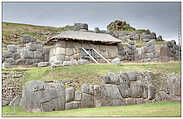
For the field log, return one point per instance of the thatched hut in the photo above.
(69, 46)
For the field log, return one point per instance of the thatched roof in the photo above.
(84, 36)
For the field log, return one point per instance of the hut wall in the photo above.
(70, 50)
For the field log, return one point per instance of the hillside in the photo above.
(12, 32)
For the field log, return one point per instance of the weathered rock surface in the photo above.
(12, 48)
(80, 26)
(72, 105)
(123, 88)
(67, 63)
(87, 101)
(5, 102)
(41, 96)
(116, 61)
(43, 64)
(83, 62)
(69, 94)
(27, 39)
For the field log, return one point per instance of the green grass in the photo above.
(10, 29)
(91, 73)
(158, 109)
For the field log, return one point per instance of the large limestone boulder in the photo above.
(69, 94)
(43, 97)
(151, 92)
(6, 65)
(163, 96)
(124, 85)
(72, 105)
(174, 84)
(38, 54)
(132, 75)
(110, 78)
(26, 54)
(34, 46)
(10, 61)
(12, 48)
(87, 101)
(88, 89)
(136, 89)
(7, 54)
(77, 96)
(27, 39)
(108, 95)
(46, 52)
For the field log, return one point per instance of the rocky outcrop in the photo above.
(170, 51)
(123, 88)
(80, 27)
(31, 54)
(27, 39)
(130, 50)
(11, 86)
(119, 26)
(149, 52)
(43, 97)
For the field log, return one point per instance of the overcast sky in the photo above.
(162, 18)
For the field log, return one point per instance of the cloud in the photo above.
(162, 17)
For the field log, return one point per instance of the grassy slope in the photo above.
(158, 109)
(10, 29)
(91, 73)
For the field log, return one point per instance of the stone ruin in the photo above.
(124, 88)
(29, 52)
(170, 51)
(33, 53)
(119, 25)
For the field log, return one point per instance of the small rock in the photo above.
(6, 65)
(5, 102)
(12, 48)
(43, 64)
(57, 64)
(67, 63)
(83, 61)
(116, 61)
(72, 105)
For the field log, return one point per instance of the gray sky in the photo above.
(162, 18)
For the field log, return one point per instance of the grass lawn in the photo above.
(158, 109)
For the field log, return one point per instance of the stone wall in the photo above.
(70, 50)
(30, 54)
(11, 85)
(147, 53)
(124, 88)
(170, 51)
